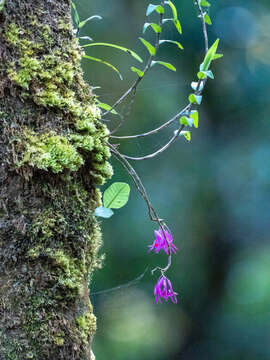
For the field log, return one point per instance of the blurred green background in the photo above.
(213, 192)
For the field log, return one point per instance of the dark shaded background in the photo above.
(213, 192)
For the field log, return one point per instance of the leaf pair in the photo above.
(115, 197)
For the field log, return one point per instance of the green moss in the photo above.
(58, 340)
(87, 324)
(50, 151)
(56, 129)
(52, 78)
(12, 34)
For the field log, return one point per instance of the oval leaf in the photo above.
(151, 8)
(157, 29)
(107, 107)
(137, 71)
(195, 99)
(151, 49)
(116, 196)
(103, 212)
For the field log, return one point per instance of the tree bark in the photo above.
(52, 155)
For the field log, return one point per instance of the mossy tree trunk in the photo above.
(52, 155)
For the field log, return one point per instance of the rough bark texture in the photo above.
(52, 154)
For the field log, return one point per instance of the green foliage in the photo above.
(186, 121)
(151, 49)
(155, 27)
(51, 151)
(151, 8)
(195, 116)
(195, 99)
(104, 63)
(207, 19)
(116, 196)
(128, 51)
(186, 135)
(210, 56)
(139, 72)
(84, 22)
(204, 3)
(106, 107)
(172, 42)
(163, 63)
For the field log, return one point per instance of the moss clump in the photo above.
(50, 152)
(87, 324)
(56, 82)
(72, 270)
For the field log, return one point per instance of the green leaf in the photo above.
(178, 26)
(217, 56)
(2, 4)
(103, 212)
(195, 99)
(201, 75)
(82, 23)
(76, 15)
(195, 116)
(116, 196)
(151, 49)
(210, 74)
(151, 8)
(163, 63)
(157, 29)
(187, 121)
(204, 3)
(172, 42)
(204, 74)
(107, 107)
(186, 134)
(104, 63)
(137, 71)
(194, 86)
(209, 57)
(174, 11)
(130, 52)
(207, 19)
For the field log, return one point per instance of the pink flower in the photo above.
(161, 242)
(163, 290)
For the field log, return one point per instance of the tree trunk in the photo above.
(52, 155)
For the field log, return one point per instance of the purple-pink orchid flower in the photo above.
(163, 241)
(163, 290)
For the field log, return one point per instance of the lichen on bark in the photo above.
(53, 153)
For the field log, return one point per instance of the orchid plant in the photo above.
(117, 194)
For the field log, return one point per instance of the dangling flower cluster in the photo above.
(163, 288)
(163, 238)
